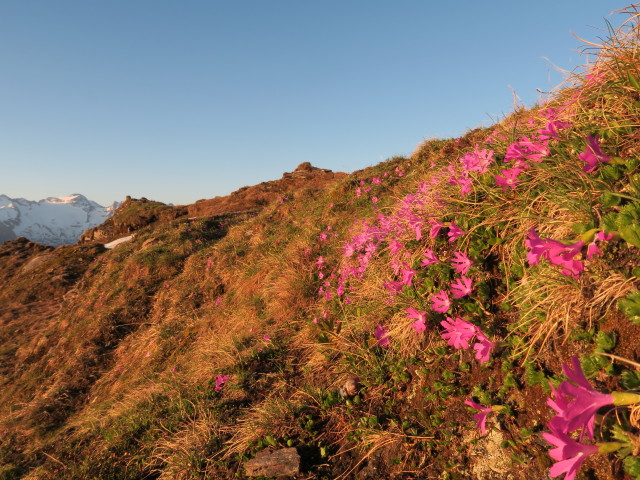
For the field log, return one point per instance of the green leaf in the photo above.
(611, 172)
(589, 366)
(632, 466)
(608, 199)
(533, 376)
(618, 433)
(633, 81)
(634, 183)
(628, 222)
(630, 306)
(609, 222)
(630, 379)
(631, 234)
(605, 341)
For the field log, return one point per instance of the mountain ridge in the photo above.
(53, 220)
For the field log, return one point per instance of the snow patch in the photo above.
(117, 242)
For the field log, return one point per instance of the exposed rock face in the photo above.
(6, 233)
(305, 176)
(279, 463)
(132, 215)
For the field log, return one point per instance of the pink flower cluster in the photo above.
(220, 381)
(477, 161)
(381, 334)
(593, 155)
(576, 403)
(562, 255)
(530, 149)
(461, 287)
(459, 333)
(420, 324)
(557, 253)
(481, 416)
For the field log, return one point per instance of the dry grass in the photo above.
(274, 416)
(549, 303)
(182, 455)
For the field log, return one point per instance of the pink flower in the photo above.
(419, 325)
(320, 262)
(393, 287)
(464, 181)
(348, 249)
(407, 275)
(441, 302)
(323, 237)
(221, 380)
(550, 130)
(481, 416)
(483, 346)
(556, 252)
(585, 401)
(592, 155)
(568, 453)
(466, 184)
(382, 335)
(454, 232)
(478, 160)
(461, 287)
(458, 332)
(416, 226)
(429, 258)
(593, 249)
(509, 178)
(435, 227)
(396, 266)
(527, 149)
(563, 256)
(395, 246)
(461, 263)
(537, 247)
(376, 180)
(604, 237)
(374, 199)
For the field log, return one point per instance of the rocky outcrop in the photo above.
(132, 215)
(304, 177)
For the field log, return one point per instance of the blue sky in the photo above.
(182, 100)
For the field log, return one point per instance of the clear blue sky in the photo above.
(182, 100)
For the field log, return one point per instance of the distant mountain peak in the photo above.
(51, 221)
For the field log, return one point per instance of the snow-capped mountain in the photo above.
(52, 221)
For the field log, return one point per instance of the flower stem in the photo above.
(625, 398)
(609, 447)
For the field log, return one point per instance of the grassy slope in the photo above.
(120, 382)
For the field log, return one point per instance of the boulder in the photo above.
(274, 463)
